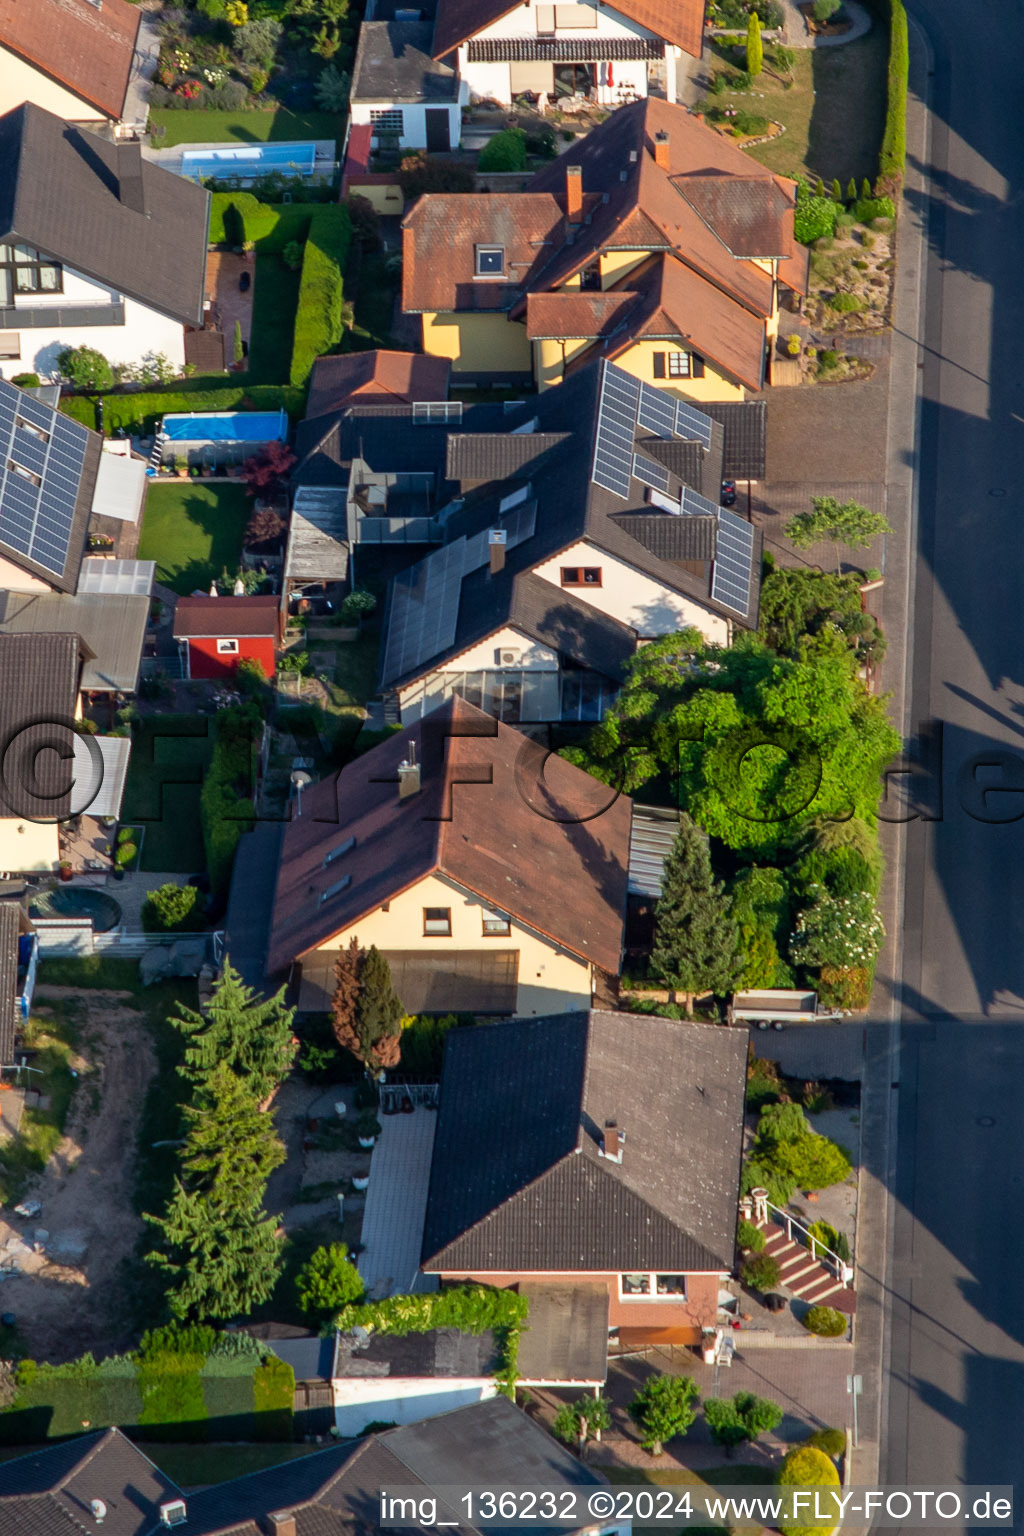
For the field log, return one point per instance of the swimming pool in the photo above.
(226, 427)
(249, 160)
(64, 901)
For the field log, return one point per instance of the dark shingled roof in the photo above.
(673, 538)
(196, 617)
(743, 455)
(86, 47)
(394, 63)
(60, 191)
(37, 705)
(477, 456)
(517, 1181)
(566, 1333)
(502, 841)
(10, 927)
(748, 214)
(49, 1492)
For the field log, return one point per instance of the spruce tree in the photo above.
(851, 190)
(837, 191)
(696, 941)
(366, 1015)
(346, 995)
(253, 1034)
(755, 48)
(865, 188)
(219, 1264)
(231, 1148)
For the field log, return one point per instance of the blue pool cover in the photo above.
(227, 427)
(249, 160)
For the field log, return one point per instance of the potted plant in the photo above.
(368, 1128)
(65, 869)
(361, 1181)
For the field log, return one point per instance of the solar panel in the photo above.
(519, 524)
(616, 426)
(657, 411)
(732, 574)
(424, 609)
(699, 505)
(692, 423)
(40, 477)
(650, 473)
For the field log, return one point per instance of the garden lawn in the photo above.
(40, 1130)
(193, 531)
(374, 304)
(833, 113)
(720, 1479)
(182, 127)
(275, 300)
(169, 758)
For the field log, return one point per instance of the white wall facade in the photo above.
(20, 82)
(634, 598)
(144, 330)
(28, 847)
(403, 1399)
(496, 80)
(414, 120)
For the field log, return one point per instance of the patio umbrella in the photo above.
(609, 82)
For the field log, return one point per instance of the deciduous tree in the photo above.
(663, 1408)
(838, 522)
(327, 1282)
(582, 1421)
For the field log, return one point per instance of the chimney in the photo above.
(130, 190)
(280, 1524)
(574, 193)
(496, 544)
(661, 148)
(409, 775)
(612, 1143)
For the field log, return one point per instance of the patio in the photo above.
(396, 1206)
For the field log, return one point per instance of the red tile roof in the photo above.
(571, 314)
(518, 836)
(83, 47)
(201, 617)
(439, 236)
(395, 378)
(676, 21)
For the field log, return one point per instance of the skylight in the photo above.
(339, 852)
(335, 889)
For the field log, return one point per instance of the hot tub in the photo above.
(77, 901)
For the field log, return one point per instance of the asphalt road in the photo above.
(956, 1399)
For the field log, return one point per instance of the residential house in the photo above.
(407, 97)
(492, 878)
(594, 1151)
(84, 61)
(605, 53)
(19, 959)
(102, 1478)
(38, 702)
(656, 242)
(215, 633)
(98, 247)
(590, 524)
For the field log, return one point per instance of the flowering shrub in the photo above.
(188, 90)
(237, 13)
(837, 930)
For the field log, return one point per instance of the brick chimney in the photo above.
(574, 193)
(409, 775)
(280, 1524)
(661, 149)
(496, 546)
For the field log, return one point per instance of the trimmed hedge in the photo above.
(807, 1467)
(236, 217)
(318, 315)
(140, 412)
(225, 809)
(892, 160)
(273, 1396)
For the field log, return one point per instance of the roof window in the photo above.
(490, 261)
(339, 852)
(335, 889)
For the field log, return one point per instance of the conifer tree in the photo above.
(865, 188)
(696, 941)
(253, 1034)
(366, 1014)
(219, 1264)
(837, 191)
(755, 48)
(231, 1148)
(851, 190)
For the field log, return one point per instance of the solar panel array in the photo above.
(519, 524)
(732, 574)
(698, 505)
(693, 424)
(424, 609)
(657, 411)
(616, 428)
(42, 459)
(127, 578)
(650, 473)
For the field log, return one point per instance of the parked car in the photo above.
(728, 496)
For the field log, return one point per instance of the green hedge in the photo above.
(225, 810)
(139, 413)
(318, 322)
(273, 1391)
(892, 160)
(236, 217)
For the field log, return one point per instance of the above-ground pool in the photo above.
(226, 427)
(77, 901)
(249, 160)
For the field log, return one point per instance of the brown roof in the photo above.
(37, 705)
(87, 49)
(676, 21)
(518, 836)
(676, 304)
(391, 377)
(570, 313)
(711, 193)
(200, 617)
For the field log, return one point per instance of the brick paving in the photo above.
(396, 1204)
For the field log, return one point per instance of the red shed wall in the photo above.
(205, 663)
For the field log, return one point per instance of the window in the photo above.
(23, 269)
(227, 647)
(23, 473)
(428, 413)
(388, 120)
(590, 277)
(581, 575)
(496, 925)
(340, 851)
(490, 261)
(648, 1287)
(437, 922)
(679, 365)
(513, 499)
(584, 696)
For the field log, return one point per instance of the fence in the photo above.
(421, 1095)
(73, 936)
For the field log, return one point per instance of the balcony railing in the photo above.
(60, 317)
